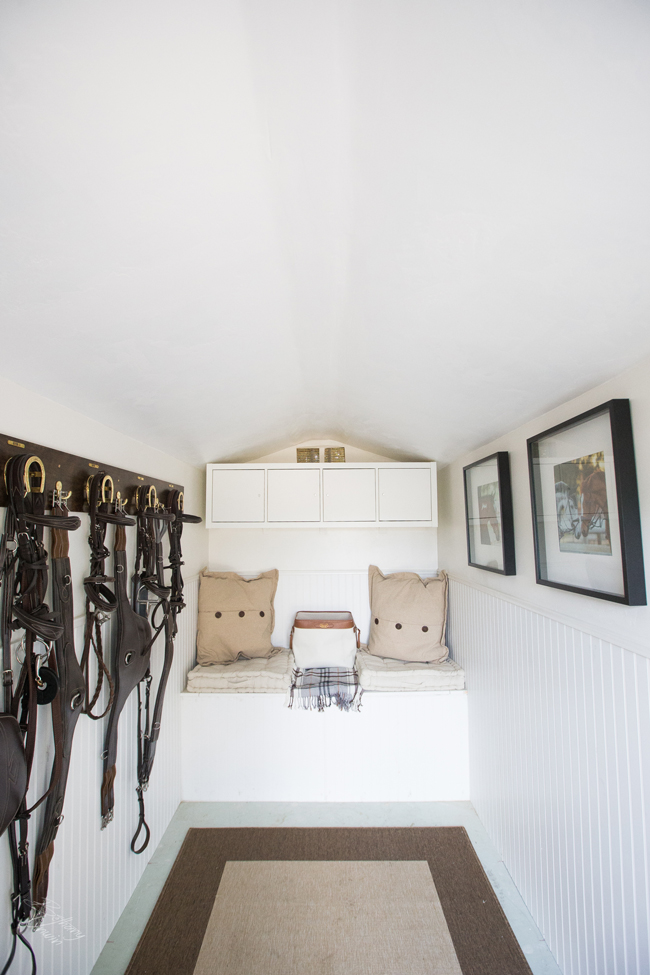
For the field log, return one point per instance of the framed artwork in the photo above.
(488, 514)
(586, 520)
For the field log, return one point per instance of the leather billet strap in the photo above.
(67, 705)
(101, 601)
(132, 650)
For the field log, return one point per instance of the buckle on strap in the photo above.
(7, 678)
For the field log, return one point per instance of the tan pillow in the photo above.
(236, 616)
(408, 616)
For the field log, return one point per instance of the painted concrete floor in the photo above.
(126, 934)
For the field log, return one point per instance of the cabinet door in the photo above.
(405, 495)
(349, 495)
(237, 496)
(294, 495)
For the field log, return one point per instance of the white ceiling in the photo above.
(235, 224)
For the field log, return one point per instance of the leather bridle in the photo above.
(101, 601)
(169, 602)
(148, 582)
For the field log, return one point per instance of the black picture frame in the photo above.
(586, 509)
(478, 527)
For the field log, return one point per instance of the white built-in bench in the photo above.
(239, 745)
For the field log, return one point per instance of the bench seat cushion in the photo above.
(262, 675)
(383, 674)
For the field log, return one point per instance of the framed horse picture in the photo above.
(488, 514)
(586, 520)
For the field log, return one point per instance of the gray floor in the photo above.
(121, 944)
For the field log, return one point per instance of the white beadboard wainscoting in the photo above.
(93, 872)
(345, 589)
(559, 732)
(331, 590)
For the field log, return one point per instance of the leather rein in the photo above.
(67, 706)
(151, 600)
(153, 521)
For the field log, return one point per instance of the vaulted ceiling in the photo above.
(407, 225)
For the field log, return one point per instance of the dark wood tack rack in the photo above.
(74, 471)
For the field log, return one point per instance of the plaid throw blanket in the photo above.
(318, 688)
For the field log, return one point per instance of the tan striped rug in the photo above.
(382, 901)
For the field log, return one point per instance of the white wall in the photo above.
(558, 690)
(353, 455)
(93, 872)
(321, 549)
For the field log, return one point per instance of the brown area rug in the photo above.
(379, 901)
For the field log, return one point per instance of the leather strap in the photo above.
(130, 666)
(155, 522)
(101, 601)
(66, 707)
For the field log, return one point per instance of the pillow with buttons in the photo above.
(408, 616)
(236, 616)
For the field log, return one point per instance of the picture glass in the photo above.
(577, 507)
(484, 515)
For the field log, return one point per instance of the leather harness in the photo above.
(148, 582)
(153, 520)
(101, 602)
(54, 675)
(66, 706)
(25, 575)
(130, 663)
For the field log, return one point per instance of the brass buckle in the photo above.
(29, 474)
(107, 483)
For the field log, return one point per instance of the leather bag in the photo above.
(324, 639)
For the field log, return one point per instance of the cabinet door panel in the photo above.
(237, 496)
(349, 495)
(294, 495)
(405, 495)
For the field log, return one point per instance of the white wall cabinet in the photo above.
(349, 494)
(293, 495)
(237, 495)
(404, 494)
(388, 495)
